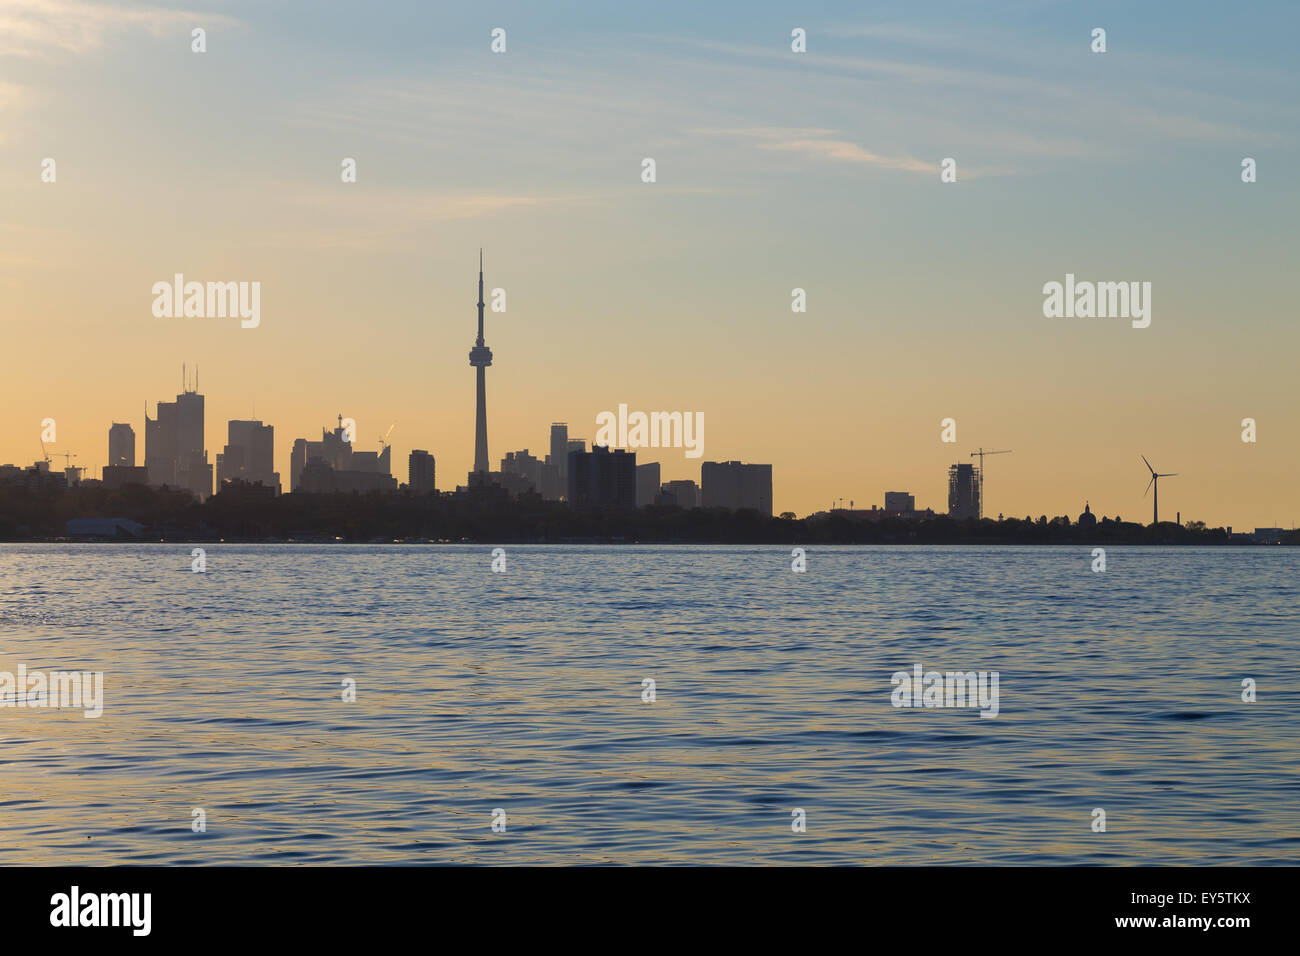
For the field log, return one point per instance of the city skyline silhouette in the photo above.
(924, 297)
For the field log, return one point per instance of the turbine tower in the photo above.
(1155, 480)
(480, 357)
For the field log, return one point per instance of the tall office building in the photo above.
(121, 445)
(555, 470)
(560, 448)
(601, 478)
(420, 472)
(249, 455)
(963, 491)
(733, 484)
(647, 484)
(173, 445)
(480, 357)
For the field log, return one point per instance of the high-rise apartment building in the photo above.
(963, 491)
(420, 472)
(733, 484)
(601, 478)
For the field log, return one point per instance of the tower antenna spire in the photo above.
(480, 357)
(480, 297)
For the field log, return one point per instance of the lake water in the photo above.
(522, 691)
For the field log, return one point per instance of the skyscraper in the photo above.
(963, 491)
(173, 445)
(560, 449)
(480, 357)
(555, 473)
(121, 445)
(249, 455)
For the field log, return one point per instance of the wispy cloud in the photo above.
(1035, 83)
(820, 143)
(43, 28)
(844, 151)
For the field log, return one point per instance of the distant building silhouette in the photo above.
(899, 501)
(555, 471)
(249, 455)
(121, 445)
(733, 484)
(601, 478)
(683, 493)
(331, 465)
(525, 471)
(878, 514)
(37, 478)
(1087, 519)
(480, 357)
(514, 483)
(963, 491)
(118, 476)
(173, 445)
(647, 484)
(420, 476)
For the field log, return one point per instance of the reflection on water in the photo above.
(522, 691)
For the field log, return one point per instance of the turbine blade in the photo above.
(1148, 464)
(1149, 484)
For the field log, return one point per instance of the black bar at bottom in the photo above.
(946, 905)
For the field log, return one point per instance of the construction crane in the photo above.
(384, 441)
(980, 454)
(67, 457)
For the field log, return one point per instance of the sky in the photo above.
(775, 170)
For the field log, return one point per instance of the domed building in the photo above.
(1087, 519)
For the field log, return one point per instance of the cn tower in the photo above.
(480, 357)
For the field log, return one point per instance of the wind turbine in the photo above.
(1155, 480)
